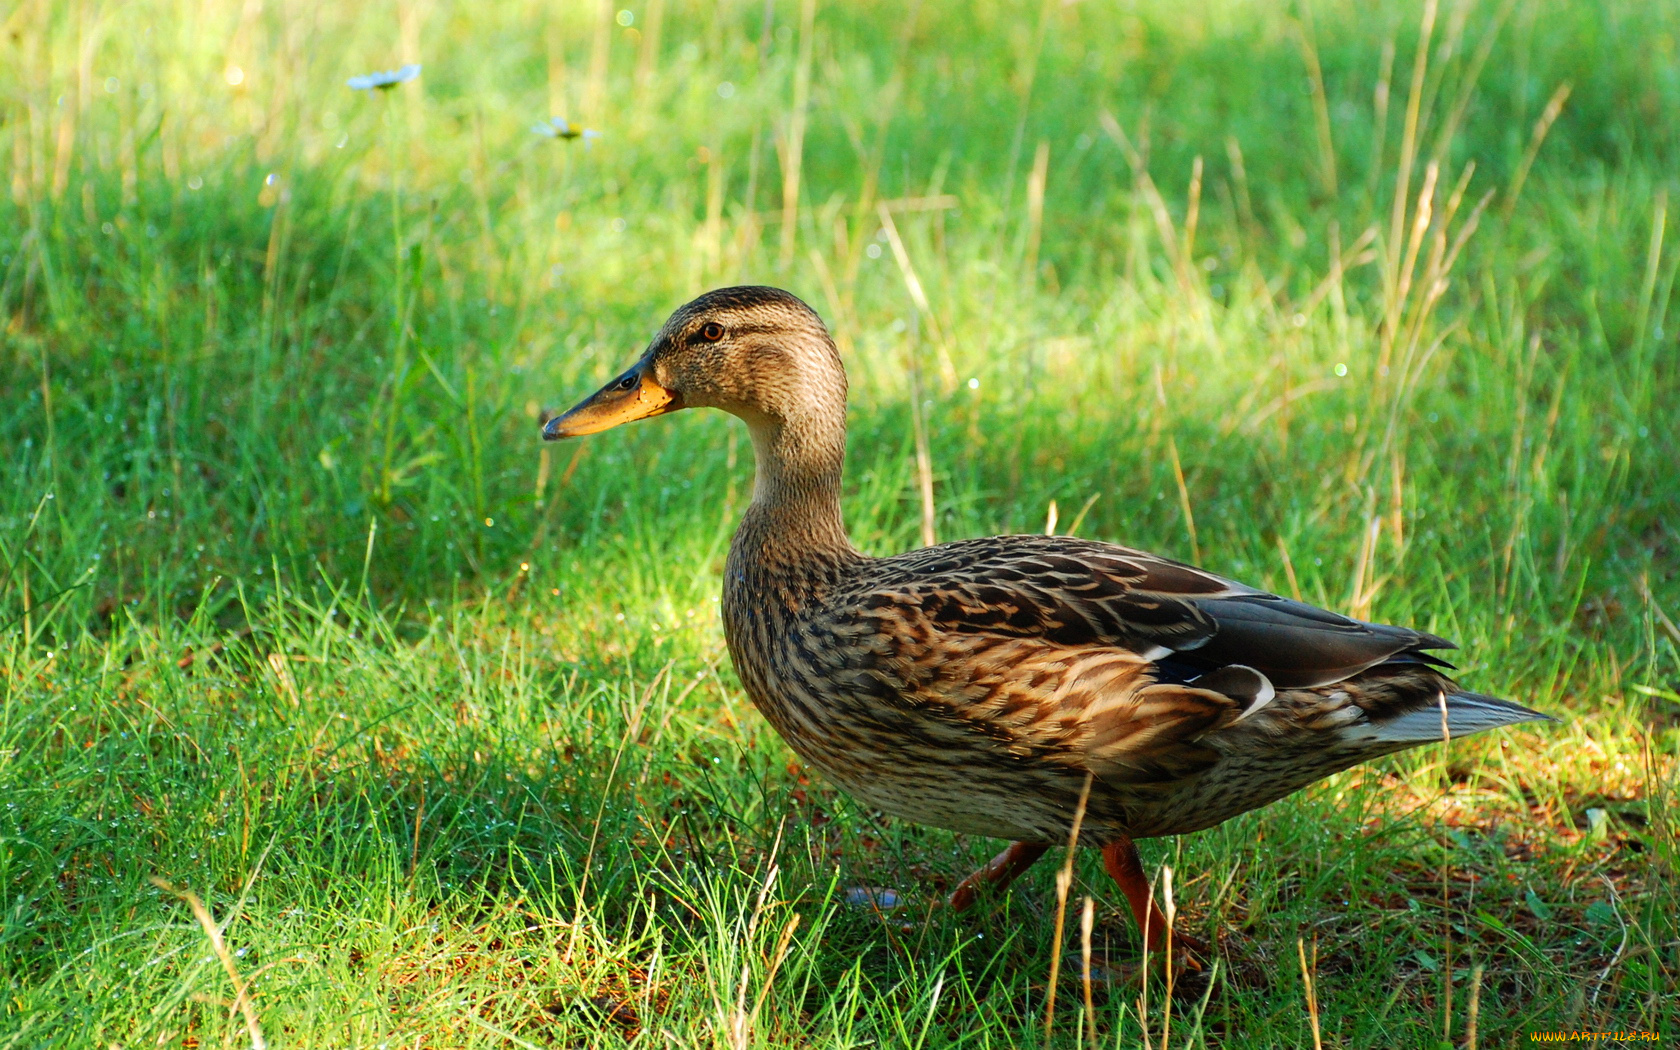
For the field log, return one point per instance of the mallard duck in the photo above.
(989, 685)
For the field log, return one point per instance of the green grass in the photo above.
(301, 619)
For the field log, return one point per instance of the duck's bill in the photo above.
(632, 396)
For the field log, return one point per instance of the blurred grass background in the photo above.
(1369, 303)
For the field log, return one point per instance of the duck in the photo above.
(1037, 689)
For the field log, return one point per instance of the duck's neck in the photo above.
(794, 519)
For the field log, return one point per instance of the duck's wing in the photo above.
(1095, 656)
(1076, 592)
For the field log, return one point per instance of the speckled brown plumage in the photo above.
(976, 685)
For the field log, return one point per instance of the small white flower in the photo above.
(561, 128)
(386, 80)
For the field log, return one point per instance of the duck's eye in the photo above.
(627, 382)
(712, 332)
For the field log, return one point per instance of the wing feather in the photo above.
(1078, 592)
(1103, 658)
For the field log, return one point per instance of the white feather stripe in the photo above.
(1466, 714)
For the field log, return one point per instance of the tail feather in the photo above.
(1466, 713)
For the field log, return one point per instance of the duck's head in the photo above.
(758, 353)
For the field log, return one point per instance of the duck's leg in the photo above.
(1120, 858)
(1003, 869)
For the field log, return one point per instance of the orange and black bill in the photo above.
(633, 395)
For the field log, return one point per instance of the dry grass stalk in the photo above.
(241, 998)
(284, 684)
(1549, 115)
(918, 296)
(1404, 352)
(783, 942)
(1657, 790)
(1192, 219)
(1311, 988)
(1179, 247)
(1379, 104)
(924, 454)
(1473, 1011)
(742, 1023)
(1087, 916)
(414, 842)
(1422, 215)
(1026, 79)
(1164, 227)
(1467, 83)
(1170, 910)
(1653, 262)
(930, 202)
(1079, 519)
(1178, 469)
(1621, 948)
(794, 153)
(1036, 180)
(1064, 880)
(1305, 40)
(1239, 174)
(1364, 590)
(1184, 499)
(1403, 174)
(1289, 569)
